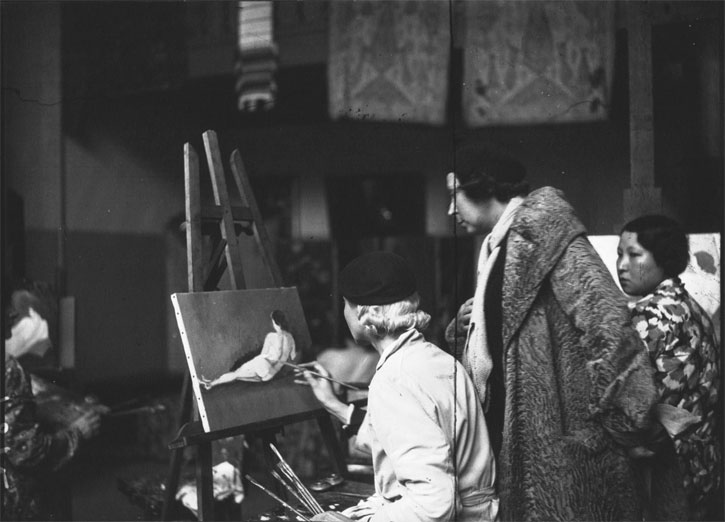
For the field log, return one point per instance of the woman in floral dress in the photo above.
(653, 251)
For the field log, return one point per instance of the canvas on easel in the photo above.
(238, 344)
(223, 328)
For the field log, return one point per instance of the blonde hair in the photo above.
(382, 320)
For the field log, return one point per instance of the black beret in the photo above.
(377, 278)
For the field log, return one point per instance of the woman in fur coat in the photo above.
(566, 385)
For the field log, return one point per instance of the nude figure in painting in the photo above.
(279, 347)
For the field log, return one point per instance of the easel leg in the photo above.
(333, 444)
(172, 484)
(177, 455)
(204, 481)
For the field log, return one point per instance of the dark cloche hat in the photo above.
(474, 161)
(377, 278)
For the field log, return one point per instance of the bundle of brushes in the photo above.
(291, 482)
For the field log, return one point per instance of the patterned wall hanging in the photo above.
(389, 60)
(256, 57)
(537, 62)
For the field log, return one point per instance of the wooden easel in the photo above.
(222, 223)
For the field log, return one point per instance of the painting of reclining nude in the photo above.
(240, 346)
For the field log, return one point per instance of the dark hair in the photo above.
(279, 318)
(665, 239)
(485, 173)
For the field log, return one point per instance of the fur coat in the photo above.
(579, 384)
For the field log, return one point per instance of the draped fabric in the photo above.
(537, 62)
(389, 60)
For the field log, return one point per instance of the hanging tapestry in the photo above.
(389, 60)
(537, 62)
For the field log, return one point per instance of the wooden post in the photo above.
(642, 196)
(260, 235)
(221, 198)
(193, 225)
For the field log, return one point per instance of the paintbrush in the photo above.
(310, 501)
(293, 492)
(302, 368)
(268, 492)
(349, 494)
(289, 473)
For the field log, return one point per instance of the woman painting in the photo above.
(424, 425)
(652, 253)
(279, 347)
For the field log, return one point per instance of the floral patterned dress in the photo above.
(680, 338)
(30, 452)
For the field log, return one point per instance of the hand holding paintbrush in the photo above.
(319, 373)
(319, 380)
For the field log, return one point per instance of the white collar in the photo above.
(405, 337)
(502, 226)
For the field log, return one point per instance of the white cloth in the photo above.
(30, 334)
(226, 482)
(348, 414)
(476, 355)
(428, 439)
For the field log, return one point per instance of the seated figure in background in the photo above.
(278, 348)
(652, 253)
(32, 451)
(32, 313)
